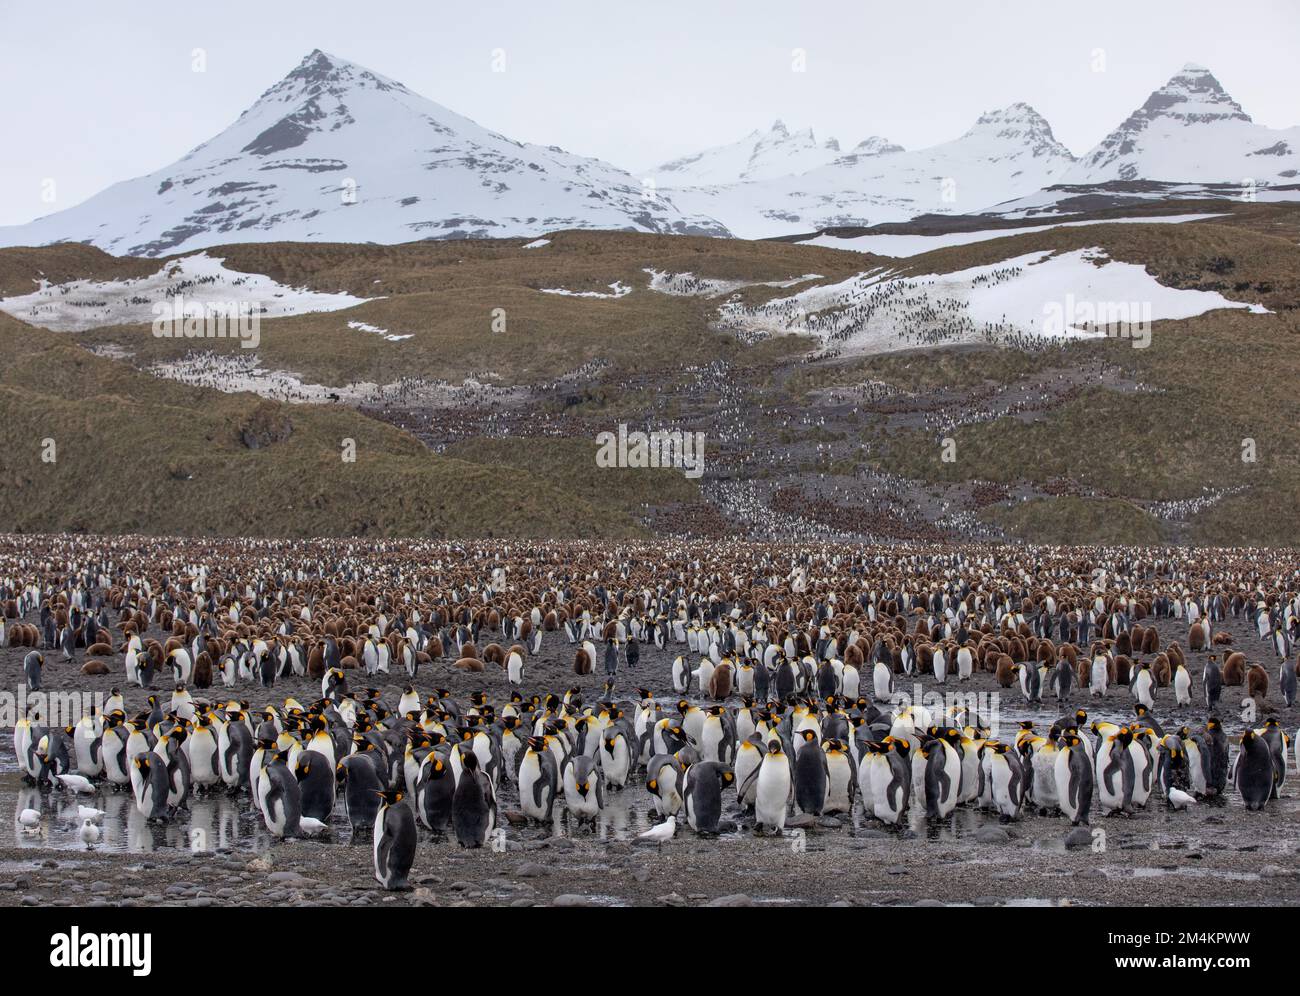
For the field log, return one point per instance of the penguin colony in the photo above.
(779, 699)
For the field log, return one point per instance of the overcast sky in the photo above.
(97, 92)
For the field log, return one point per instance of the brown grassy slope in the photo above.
(921, 370)
(140, 454)
(447, 295)
(1240, 263)
(578, 260)
(1223, 377)
(1076, 520)
(21, 268)
(571, 464)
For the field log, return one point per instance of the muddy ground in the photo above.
(1211, 855)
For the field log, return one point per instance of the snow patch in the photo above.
(375, 330)
(232, 373)
(902, 246)
(538, 243)
(617, 289)
(201, 280)
(1029, 301)
(687, 284)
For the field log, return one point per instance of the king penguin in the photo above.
(775, 788)
(1074, 779)
(473, 806)
(394, 841)
(1254, 771)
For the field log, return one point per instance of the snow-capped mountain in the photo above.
(873, 146)
(757, 156)
(335, 152)
(1192, 130)
(1007, 153)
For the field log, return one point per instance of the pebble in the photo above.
(531, 869)
(1077, 838)
(736, 899)
(1277, 871)
(573, 899)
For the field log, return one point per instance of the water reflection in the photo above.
(215, 822)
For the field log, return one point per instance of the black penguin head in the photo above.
(774, 748)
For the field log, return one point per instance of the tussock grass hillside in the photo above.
(138, 454)
(1087, 520)
(1165, 424)
(22, 268)
(478, 308)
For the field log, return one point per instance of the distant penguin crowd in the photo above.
(780, 683)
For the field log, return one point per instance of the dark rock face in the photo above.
(265, 427)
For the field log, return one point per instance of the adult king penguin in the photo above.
(394, 842)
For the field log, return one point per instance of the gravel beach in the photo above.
(1210, 855)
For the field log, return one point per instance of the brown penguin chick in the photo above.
(1121, 670)
(582, 662)
(1150, 641)
(853, 656)
(94, 667)
(1256, 682)
(1234, 668)
(1124, 643)
(492, 654)
(720, 681)
(1005, 669)
(1018, 650)
(1082, 673)
(201, 676)
(1161, 670)
(1175, 652)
